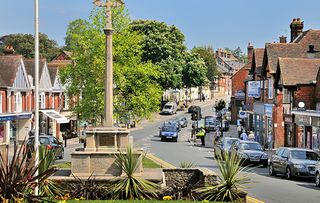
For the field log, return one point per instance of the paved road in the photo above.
(263, 187)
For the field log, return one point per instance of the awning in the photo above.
(312, 113)
(55, 115)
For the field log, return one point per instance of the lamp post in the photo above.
(108, 72)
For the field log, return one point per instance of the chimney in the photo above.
(8, 50)
(250, 52)
(283, 39)
(296, 27)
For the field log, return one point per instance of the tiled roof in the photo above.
(258, 56)
(53, 71)
(245, 67)
(297, 49)
(59, 63)
(298, 71)
(8, 69)
(30, 66)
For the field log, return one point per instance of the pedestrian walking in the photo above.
(244, 135)
(239, 129)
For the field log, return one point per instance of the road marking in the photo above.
(161, 162)
(253, 200)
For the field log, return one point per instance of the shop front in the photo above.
(289, 132)
(50, 121)
(14, 128)
(308, 128)
(258, 109)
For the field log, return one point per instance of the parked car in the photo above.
(294, 162)
(223, 146)
(210, 123)
(318, 174)
(169, 108)
(51, 142)
(250, 152)
(169, 131)
(183, 121)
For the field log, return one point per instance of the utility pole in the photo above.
(108, 72)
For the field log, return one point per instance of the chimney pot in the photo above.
(296, 27)
(8, 50)
(283, 39)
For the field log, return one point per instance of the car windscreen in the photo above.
(250, 146)
(169, 128)
(44, 140)
(299, 154)
(229, 142)
(167, 107)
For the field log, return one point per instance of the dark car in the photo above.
(250, 152)
(169, 131)
(223, 146)
(193, 108)
(183, 122)
(51, 142)
(294, 162)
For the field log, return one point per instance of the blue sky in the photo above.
(218, 23)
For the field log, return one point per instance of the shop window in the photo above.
(286, 96)
(18, 102)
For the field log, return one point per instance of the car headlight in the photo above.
(264, 156)
(244, 156)
(298, 165)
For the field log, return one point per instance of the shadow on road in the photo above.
(309, 186)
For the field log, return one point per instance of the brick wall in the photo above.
(278, 119)
(238, 81)
(317, 89)
(304, 94)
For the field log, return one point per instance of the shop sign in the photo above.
(302, 119)
(288, 118)
(239, 94)
(242, 114)
(268, 110)
(258, 108)
(254, 89)
(15, 117)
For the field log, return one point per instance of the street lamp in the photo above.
(108, 73)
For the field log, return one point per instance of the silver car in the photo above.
(294, 162)
(318, 174)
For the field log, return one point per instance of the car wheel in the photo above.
(318, 179)
(271, 170)
(162, 139)
(265, 164)
(176, 139)
(288, 173)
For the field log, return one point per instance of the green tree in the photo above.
(136, 91)
(24, 44)
(194, 71)
(238, 54)
(207, 54)
(164, 46)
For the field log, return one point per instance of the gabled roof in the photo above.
(53, 71)
(246, 67)
(63, 59)
(9, 66)
(258, 56)
(297, 49)
(30, 66)
(297, 71)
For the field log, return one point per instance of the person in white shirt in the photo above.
(244, 135)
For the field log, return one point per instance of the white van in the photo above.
(169, 108)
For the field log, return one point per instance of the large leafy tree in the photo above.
(136, 91)
(164, 46)
(24, 44)
(194, 71)
(207, 54)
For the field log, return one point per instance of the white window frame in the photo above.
(42, 100)
(18, 102)
(270, 89)
(52, 95)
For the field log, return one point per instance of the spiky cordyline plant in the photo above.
(230, 183)
(17, 176)
(187, 164)
(130, 186)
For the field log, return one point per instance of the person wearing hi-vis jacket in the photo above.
(201, 134)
